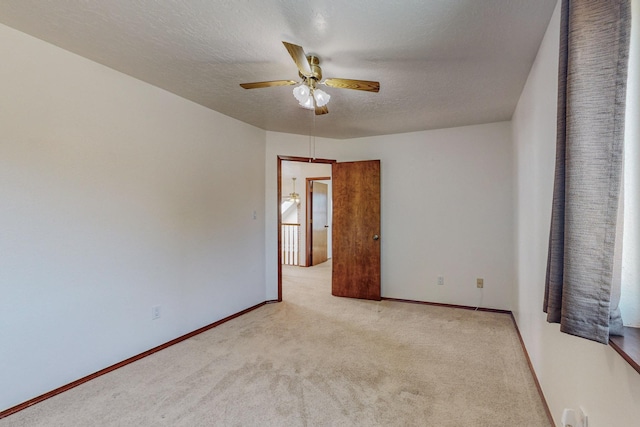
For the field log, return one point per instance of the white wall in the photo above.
(115, 196)
(573, 372)
(446, 210)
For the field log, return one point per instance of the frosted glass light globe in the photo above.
(322, 97)
(308, 103)
(301, 93)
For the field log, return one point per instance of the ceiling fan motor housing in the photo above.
(316, 71)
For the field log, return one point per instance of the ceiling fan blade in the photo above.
(353, 84)
(321, 110)
(257, 85)
(299, 57)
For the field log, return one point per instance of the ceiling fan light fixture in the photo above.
(301, 93)
(322, 97)
(309, 97)
(308, 103)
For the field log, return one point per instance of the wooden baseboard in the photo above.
(125, 362)
(438, 304)
(533, 372)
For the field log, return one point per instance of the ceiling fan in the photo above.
(307, 93)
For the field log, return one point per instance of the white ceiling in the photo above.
(440, 63)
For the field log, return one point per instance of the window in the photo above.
(629, 263)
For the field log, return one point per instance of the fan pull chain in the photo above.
(314, 137)
(312, 141)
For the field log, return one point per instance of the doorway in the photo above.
(307, 172)
(356, 271)
(318, 220)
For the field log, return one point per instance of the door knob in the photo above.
(376, 237)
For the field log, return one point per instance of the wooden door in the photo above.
(356, 230)
(319, 222)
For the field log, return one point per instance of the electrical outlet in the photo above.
(583, 417)
(573, 418)
(155, 312)
(440, 280)
(479, 282)
(569, 418)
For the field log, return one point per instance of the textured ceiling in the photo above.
(440, 63)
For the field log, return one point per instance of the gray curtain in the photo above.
(594, 50)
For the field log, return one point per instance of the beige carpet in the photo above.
(318, 360)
